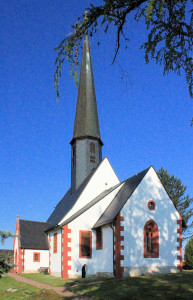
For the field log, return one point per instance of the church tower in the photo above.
(86, 142)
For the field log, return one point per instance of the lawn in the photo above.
(24, 291)
(167, 286)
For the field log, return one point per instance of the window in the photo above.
(92, 159)
(92, 148)
(73, 155)
(55, 243)
(151, 204)
(151, 240)
(99, 238)
(85, 244)
(36, 257)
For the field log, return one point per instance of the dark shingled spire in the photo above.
(86, 142)
(86, 120)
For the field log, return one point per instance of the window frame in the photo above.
(73, 155)
(149, 205)
(151, 240)
(80, 243)
(38, 254)
(92, 148)
(92, 159)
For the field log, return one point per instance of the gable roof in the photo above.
(32, 235)
(90, 204)
(67, 202)
(120, 199)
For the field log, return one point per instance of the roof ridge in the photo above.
(130, 185)
(91, 203)
(32, 221)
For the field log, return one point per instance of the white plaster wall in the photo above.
(16, 247)
(104, 178)
(56, 263)
(136, 214)
(30, 265)
(102, 260)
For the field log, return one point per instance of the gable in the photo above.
(102, 179)
(66, 203)
(151, 188)
(120, 199)
(103, 196)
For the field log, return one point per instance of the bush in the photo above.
(188, 255)
(6, 263)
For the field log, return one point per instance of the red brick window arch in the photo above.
(151, 240)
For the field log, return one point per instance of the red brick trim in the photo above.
(179, 246)
(55, 243)
(49, 255)
(34, 256)
(20, 261)
(16, 253)
(65, 249)
(80, 243)
(118, 247)
(151, 228)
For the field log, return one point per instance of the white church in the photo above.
(101, 227)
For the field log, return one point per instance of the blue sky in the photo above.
(144, 120)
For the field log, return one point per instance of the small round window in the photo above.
(151, 204)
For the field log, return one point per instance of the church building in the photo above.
(101, 227)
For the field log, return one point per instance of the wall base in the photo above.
(138, 271)
(57, 274)
(98, 274)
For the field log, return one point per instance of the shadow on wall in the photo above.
(136, 214)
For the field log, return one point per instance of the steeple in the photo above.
(86, 142)
(86, 120)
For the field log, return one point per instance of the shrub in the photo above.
(188, 255)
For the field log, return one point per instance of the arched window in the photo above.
(151, 240)
(92, 148)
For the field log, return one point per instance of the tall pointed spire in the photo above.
(86, 120)
(86, 142)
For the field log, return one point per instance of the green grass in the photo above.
(165, 286)
(48, 279)
(57, 281)
(24, 291)
(170, 286)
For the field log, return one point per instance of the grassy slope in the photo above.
(170, 286)
(167, 286)
(57, 281)
(24, 291)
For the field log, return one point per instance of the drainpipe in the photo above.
(111, 225)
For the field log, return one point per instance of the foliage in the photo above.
(188, 255)
(6, 262)
(4, 235)
(5, 259)
(165, 286)
(176, 191)
(169, 25)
